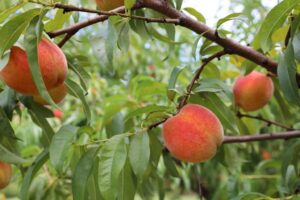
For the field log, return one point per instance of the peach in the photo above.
(107, 5)
(5, 174)
(253, 91)
(53, 65)
(58, 113)
(194, 134)
(57, 95)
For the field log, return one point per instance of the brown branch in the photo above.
(156, 124)
(103, 15)
(202, 29)
(240, 115)
(66, 38)
(78, 26)
(185, 21)
(261, 137)
(69, 8)
(197, 76)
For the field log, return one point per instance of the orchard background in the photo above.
(129, 70)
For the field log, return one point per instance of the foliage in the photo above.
(124, 75)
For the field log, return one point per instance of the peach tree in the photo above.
(141, 99)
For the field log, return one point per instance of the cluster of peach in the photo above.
(193, 135)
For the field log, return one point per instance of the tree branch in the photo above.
(69, 8)
(240, 115)
(202, 29)
(78, 26)
(261, 137)
(197, 76)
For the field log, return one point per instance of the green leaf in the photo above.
(129, 4)
(48, 132)
(5, 126)
(196, 14)
(146, 109)
(161, 37)
(296, 45)
(214, 85)
(31, 172)
(128, 183)
(172, 82)
(110, 41)
(13, 28)
(6, 13)
(82, 173)
(195, 45)
(290, 156)
(32, 38)
(10, 157)
(287, 75)
(275, 18)
(170, 165)
(8, 101)
(112, 160)
(60, 146)
(139, 153)
(124, 39)
(77, 91)
(179, 4)
(116, 126)
(227, 18)
(61, 17)
(81, 73)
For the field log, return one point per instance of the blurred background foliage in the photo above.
(128, 66)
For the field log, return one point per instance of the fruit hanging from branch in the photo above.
(253, 91)
(194, 134)
(5, 174)
(57, 94)
(53, 66)
(107, 5)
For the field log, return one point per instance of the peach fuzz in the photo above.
(53, 65)
(57, 95)
(107, 5)
(5, 174)
(194, 134)
(253, 91)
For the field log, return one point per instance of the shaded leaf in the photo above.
(112, 160)
(31, 172)
(287, 76)
(139, 153)
(82, 173)
(60, 146)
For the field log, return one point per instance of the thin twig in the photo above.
(197, 76)
(156, 124)
(69, 8)
(66, 38)
(240, 115)
(261, 137)
(83, 24)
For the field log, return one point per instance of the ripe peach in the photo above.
(266, 155)
(57, 95)
(107, 5)
(5, 174)
(53, 65)
(253, 91)
(58, 113)
(194, 134)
